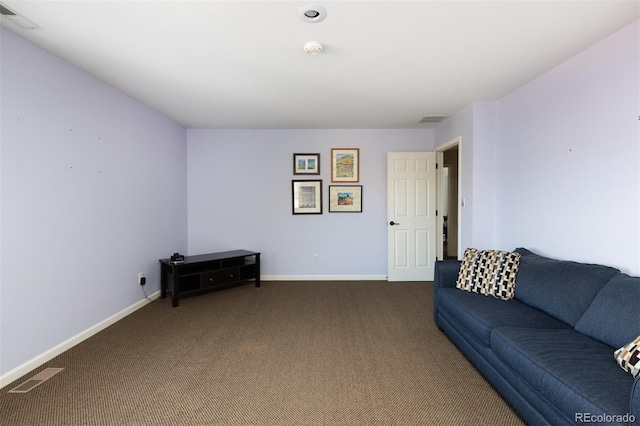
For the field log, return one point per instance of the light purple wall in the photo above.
(240, 197)
(569, 158)
(555, 165)
(475, 125)
(93, 192)
(461, 124)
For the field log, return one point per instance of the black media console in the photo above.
(206, 272)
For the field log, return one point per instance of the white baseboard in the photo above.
(36, 362)
(323, 277)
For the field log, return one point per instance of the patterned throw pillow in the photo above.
(497, 271)
(467, 274)
(489, 272)
(628, 357)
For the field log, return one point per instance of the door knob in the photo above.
(393, 223)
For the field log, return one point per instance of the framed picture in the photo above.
(345, 199)
(306, 196)
(306, 164)
(345, 164)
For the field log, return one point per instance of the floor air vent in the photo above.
(36, 380)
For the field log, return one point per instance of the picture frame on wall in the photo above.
(345, 165)
(306, 164)
(345, 198)
(306, 196)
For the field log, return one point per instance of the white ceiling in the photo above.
(386, 64)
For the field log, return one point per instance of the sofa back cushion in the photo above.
(614, 317)
(561, 288)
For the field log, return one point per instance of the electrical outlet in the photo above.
(142, 280)
(315, 257)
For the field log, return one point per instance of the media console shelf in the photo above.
(206, 272)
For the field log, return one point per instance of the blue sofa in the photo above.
(549, 351)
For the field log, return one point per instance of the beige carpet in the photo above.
(288, 353)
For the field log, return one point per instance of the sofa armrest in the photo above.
(445, 275)
(634, 405)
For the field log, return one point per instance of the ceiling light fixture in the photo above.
(313, 48)
(312, 13)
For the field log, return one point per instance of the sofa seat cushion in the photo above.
(480, 314)
(560, 288)
(575, 373)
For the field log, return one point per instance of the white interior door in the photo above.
(411, 215)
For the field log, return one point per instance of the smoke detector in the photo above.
(312, 13)
(313, 48)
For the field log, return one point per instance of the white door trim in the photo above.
(440, 149)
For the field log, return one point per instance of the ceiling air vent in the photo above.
(432, 119)
(9, 15)
(5, 12)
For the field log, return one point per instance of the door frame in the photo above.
(440, 149)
